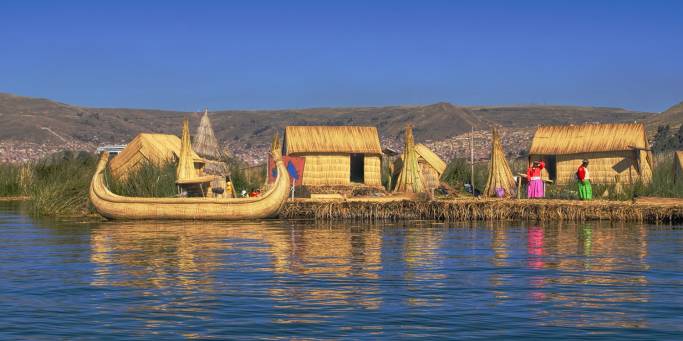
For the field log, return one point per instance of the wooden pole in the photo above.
(472, 160)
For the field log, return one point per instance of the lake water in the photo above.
(168, 280)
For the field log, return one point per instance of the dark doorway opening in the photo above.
(357, 168)
(551, 166)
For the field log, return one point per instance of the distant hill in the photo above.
(672, 116)
(526, 116)
(46, 121)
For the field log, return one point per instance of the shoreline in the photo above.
(645, 210)
(650, 210)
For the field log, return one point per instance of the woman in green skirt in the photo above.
(582, 174)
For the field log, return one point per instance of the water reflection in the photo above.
(412, 278)
(596, 270)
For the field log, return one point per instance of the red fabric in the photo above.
(581, 173)
(535, 171)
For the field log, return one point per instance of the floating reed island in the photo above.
(647, 210)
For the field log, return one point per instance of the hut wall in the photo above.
(372, 170)
(327, 170)
(429, 175)
(604, 166)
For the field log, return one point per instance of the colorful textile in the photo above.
(534, 171)
(295, 168)
(585, 190)
(535, 188)
(582, 173)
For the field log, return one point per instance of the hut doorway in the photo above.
(551, 166)
(357, 168)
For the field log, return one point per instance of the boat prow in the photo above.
(113, 206)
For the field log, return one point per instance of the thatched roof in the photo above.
(409, 180)
(205, 142)
(500, 174)
(332, 139)
(154, 148)
(588, 138)
(432, 159)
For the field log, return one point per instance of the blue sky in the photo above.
(259, 54)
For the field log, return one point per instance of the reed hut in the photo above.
(156, 149)
(615, 151)
(431, 167)
(409, 179)
(678, 166)
(500, 182)
(205, 143)
(336, 155)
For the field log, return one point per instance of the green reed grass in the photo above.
(148, 180)
(59, 184)
(9, 180)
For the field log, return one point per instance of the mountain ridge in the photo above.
(28, 119)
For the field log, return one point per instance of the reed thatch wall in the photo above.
(156, 149)
(615, 151)
(429, 176)
(604, 167)
(372, 170)
(327, 170)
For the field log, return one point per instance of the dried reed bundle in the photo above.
(185, 171)
(500, 175)
(409, 180)
(205, 142)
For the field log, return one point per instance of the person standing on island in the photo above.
(582, 174)
(535, 188)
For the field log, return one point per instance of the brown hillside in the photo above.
(533, 115)
(672, 116)
(45, 121)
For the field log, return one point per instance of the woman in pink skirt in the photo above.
(535, 183)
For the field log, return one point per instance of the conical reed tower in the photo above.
(500, 181)
(409, 179)
(205, 143)
(185, 170)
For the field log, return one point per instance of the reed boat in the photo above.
(113, 206)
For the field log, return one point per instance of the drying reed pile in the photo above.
(500, 175)
(409, 180)
(484, 209)
(205, 143)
